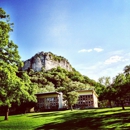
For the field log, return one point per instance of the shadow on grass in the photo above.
(2, 120)
(92, 111)
(86, 120)
(86, 124)
(46, 114)
(76, 114)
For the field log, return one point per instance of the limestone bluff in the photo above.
(46, 61)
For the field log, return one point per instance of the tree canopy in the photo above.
(13, 88)
(117, 91)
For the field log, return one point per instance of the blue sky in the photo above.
(94, 35)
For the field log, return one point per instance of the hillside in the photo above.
(49, 72)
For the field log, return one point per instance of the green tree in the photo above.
(12, 87)
(108, 93)
(8, 50)
(119, 84)
(72, 98)
(69, 90)
(28, 90)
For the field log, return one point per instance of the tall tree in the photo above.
(119, 85)
(12, 87)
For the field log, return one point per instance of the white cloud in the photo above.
(90, 70)
(98, 49)
(84, 50)
(109, 67)
(99, 69)
(90, 50)
(114, 59)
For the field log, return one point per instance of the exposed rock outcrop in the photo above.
(47, 61)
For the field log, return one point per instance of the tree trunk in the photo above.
(110, 104)
(122, 105)
(71, 108)
(6, 112)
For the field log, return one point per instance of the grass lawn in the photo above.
(88, 119)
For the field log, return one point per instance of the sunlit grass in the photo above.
(88, 119)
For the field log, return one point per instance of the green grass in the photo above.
(89, 119)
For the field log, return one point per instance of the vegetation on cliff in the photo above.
(58, 77)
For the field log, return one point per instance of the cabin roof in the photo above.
(88, 91)
(46, 93)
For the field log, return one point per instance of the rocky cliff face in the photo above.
(47, 61)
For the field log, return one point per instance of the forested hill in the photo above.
(60, 74)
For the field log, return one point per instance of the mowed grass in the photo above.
(88, 119)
